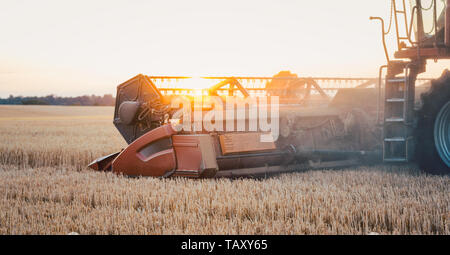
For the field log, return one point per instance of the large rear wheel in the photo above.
(442, 134)
(433, 127)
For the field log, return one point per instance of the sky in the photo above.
(71, 48)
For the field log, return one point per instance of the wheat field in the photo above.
(34, 136)
(45, 188)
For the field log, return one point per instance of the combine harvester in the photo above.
(309, 126)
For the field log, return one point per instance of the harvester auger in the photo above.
(165, 125)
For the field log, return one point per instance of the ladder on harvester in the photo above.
(398, 142)
(399, 93)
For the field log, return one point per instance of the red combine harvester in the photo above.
(316, 128)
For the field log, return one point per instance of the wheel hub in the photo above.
(442, 133)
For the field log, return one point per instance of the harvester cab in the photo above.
(430, 25)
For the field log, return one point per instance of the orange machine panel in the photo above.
(244, 142)
(195, 154)
(150, 155)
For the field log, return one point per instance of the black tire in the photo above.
(433, 101)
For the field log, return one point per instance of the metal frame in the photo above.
(317, 85)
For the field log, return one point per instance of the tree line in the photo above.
(92, 100)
